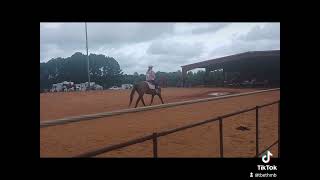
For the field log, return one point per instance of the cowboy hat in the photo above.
(150, 66)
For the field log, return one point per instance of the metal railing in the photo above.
(154, 136)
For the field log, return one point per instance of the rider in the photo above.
(151, 76)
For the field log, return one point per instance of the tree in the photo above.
(103, 70)
(106, 71)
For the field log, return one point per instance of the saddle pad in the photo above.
(151, 86)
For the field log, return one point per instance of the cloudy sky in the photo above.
(166, 46)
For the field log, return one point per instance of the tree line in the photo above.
(106, 72)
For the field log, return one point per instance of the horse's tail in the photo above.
(134, 88)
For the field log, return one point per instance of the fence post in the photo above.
(257, 130)
(279, 129)
(155, 145)
(221, 137)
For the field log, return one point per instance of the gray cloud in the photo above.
(257, 39)
(104, 33)
(240, 46)
(210, 28)
(198, 28)
(175, 48)
(71, 36)
(269, 31)
(166, 46)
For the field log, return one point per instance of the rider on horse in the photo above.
(143, 88)
(151, 76)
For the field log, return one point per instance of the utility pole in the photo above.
(87, 55)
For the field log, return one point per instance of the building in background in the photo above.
(256, 68)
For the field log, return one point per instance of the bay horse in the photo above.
(143, 88)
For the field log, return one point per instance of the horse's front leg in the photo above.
(151, 99)
(160, 98)
(142, 100)
(138, 101)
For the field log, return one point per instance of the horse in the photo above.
(143, 88)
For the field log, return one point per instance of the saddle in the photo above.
(151, 86)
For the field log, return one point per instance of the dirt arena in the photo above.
(201, 141)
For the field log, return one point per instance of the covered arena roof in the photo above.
(235, 57)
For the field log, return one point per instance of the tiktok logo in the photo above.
(266, 157)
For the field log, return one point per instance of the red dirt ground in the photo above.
(202, 141)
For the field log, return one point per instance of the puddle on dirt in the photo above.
(219, 93)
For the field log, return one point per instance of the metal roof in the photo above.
(235, 57)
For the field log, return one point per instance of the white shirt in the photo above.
(150, 75)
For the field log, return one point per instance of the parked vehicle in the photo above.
(115, 88)
(126, 86)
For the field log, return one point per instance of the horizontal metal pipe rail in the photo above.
(116, 146)
(154, 136)
(276, 142)
(66, 120)
(203, 122)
